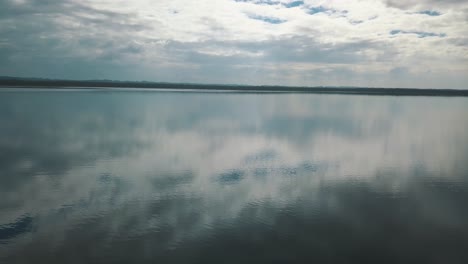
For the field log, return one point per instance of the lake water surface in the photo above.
(121, 176)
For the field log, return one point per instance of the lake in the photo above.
(140, 176)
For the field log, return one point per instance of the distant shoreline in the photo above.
(72, 84)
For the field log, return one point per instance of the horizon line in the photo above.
(39, 82)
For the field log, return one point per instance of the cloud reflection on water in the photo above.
(160, 170)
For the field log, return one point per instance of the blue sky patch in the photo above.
(260, 2)
(317, 9)
(294, 4)
(420, 34)
(430, 13)
(271, 20)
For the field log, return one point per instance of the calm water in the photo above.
(170, 177)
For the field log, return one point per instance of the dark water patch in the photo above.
(261, 172)
(105, 178)
(231, 176)
(21, 226)
(309, 167)
(288, 171)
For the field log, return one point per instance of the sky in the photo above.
(372, 43)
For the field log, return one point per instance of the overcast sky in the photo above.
(382, 43)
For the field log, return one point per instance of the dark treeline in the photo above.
(49, 83)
